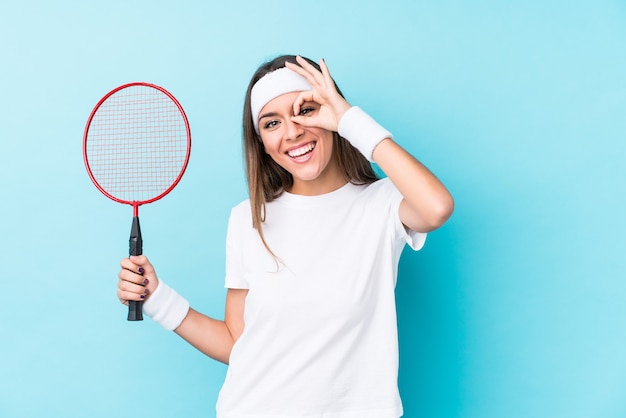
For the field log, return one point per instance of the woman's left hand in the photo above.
(324, 93)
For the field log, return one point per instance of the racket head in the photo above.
(137, 143)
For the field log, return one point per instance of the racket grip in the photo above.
(135, 310)
(135, 244)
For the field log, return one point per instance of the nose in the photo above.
(293, 130)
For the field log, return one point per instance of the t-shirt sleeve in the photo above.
(234, 251)
(415, 240)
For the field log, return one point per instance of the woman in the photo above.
(310, 323)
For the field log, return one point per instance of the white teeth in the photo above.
(301, 151)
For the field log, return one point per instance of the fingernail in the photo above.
(146, 281)
(142, 296)
(141, 270)
(146, 291)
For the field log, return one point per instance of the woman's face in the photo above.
(305, 152)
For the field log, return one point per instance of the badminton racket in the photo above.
(136, 147)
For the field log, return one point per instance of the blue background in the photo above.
(515, 308)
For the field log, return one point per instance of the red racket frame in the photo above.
(136, 203)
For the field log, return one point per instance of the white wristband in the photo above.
(166, 307)
(362, 131)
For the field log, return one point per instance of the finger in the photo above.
(142, 262)
(132, 277)
(326, 72)
(138, 264)
(303, 121)
(127, 264)
(124, 296)
(322, 76)
(324, 67)
(127, 290)
(307, 66)
(314, 121)
(304, 96)
(321, 82)
(131, 287)
(306, 70)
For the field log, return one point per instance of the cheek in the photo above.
(327, 138)
(270, 145)
(323, 134)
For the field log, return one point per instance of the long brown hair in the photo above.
(266, 179)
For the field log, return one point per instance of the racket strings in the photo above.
(137, 143)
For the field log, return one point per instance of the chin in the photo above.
(306, 177)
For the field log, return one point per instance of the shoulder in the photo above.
(382, 188)
(241, 213)
(382, 195)
(242, 207)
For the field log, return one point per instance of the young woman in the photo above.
(311, 257)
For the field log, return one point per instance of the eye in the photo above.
(306, 111)
(270, 124)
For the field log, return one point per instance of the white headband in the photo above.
(272, 85)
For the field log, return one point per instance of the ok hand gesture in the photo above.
(324, 93)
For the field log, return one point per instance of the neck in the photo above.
(330, 180)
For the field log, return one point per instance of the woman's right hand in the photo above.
(137, 279)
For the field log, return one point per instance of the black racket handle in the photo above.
(135, 307)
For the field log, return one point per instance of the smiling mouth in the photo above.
(301, 151)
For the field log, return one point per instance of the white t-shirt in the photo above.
(320, 336)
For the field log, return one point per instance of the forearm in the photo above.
(427, 203)
(210, 336)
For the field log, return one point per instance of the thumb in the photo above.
(143, 262)
(321, 120)
(138, 259)
(303, 120)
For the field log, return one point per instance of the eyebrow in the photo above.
(268, 115)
